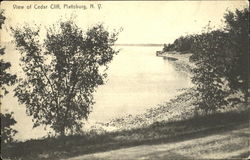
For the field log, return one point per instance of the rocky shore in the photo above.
(180, 61)
(178, 108)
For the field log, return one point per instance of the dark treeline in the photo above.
(182, 44)
(221, 58)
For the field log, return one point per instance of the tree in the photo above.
(2, 18)
(62, 72)
(182, 44)
(237, 26)
(221, 58)
(209, 75)
(7, 133)
(6, 79)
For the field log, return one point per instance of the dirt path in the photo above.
(228, 145)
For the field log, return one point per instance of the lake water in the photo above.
(137, 80)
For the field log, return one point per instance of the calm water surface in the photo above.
(137, 80)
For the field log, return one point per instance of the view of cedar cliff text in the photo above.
(128, 80)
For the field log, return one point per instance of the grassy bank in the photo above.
(158, 132)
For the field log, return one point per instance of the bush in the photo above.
(221, 58)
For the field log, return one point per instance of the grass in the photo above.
(158, 132)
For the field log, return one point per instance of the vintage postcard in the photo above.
(124, 80)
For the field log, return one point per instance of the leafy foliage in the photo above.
(7, 133)
(238, 30)
(62, 72)
(209, 75)
(2, 18)
(182, 44)
(5, 77)
(221, 58)
(8, 79)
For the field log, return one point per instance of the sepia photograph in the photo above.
(125, 80)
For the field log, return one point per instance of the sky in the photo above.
(142, 21)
